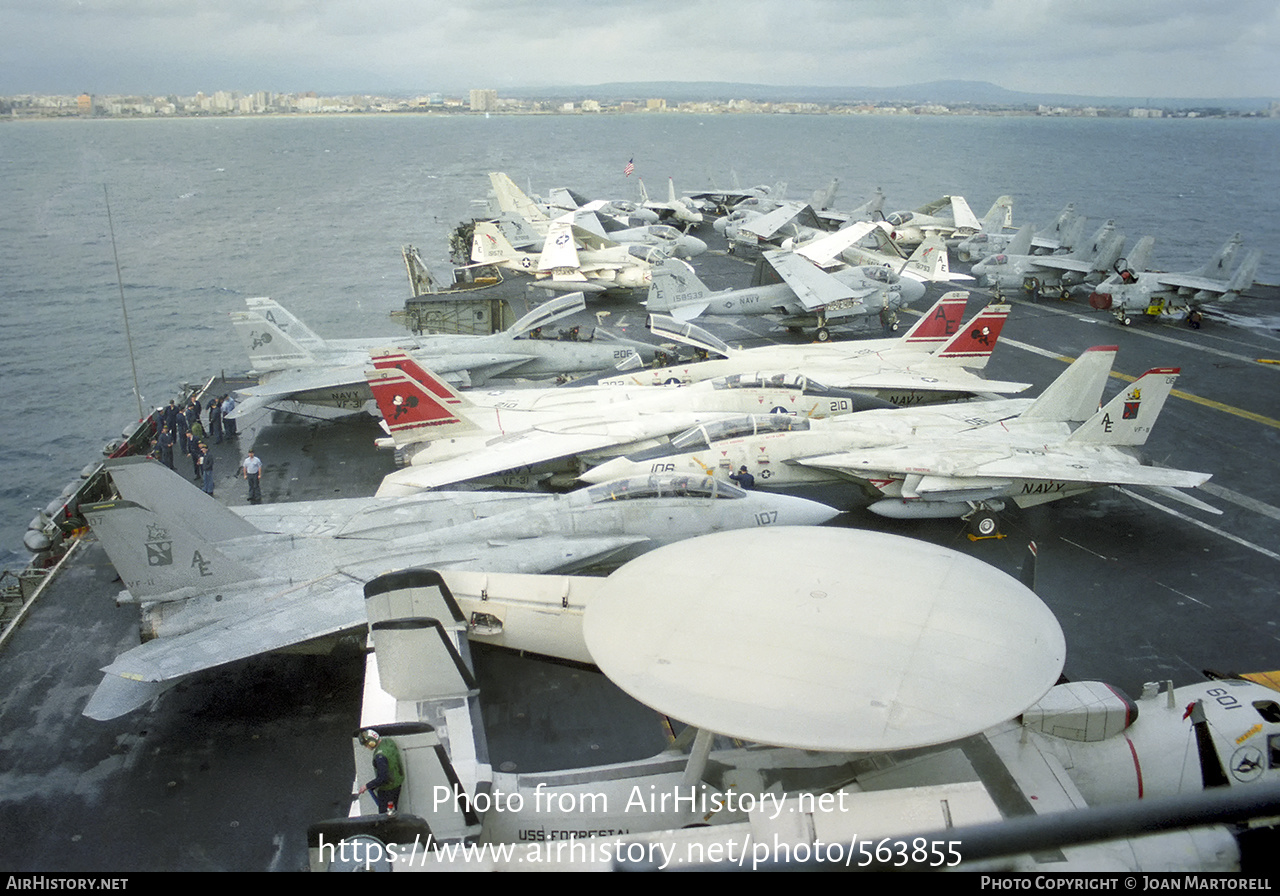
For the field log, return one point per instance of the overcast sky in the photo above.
(1155, 48)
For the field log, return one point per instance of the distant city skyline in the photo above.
(1152, 48)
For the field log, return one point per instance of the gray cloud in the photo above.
(1139, 47)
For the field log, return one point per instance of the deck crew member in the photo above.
(388, 770)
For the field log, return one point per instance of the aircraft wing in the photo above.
(1063, 263)
(1188, 281)
(327, 607)
(330, 606)
(767, 225)
(548, 442)
(825, 251)
(942, 469)
(814, 288)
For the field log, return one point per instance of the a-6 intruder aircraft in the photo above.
(965, 460)
(1065, 231)
(950, 217)
(876, 699)
(930, 363)
(1088, 262)
(927, 264)
(561, 266)
(791, 288)
(1155, 293)
(216, 585)
(531, 438)
(303, 373)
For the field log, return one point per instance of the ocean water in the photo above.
(312, 211)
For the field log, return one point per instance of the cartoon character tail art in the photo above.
(416, 405)
(1075, 395)
(973, 344)
(1127, 419)
(941, 322)
(677, 291)
(161, 534)
(269, 347)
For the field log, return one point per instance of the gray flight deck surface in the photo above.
(227, 770)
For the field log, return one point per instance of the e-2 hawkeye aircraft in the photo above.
(216, 585)
(875, 699)
(962, 460)
(308, 375)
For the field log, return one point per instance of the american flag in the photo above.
(626, 172)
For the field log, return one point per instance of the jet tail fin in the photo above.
(822, 199)
(1075, 395)
(1243, 278)
(1127, 419)
(1216, 268)
(937, 325)
(489, 246)
(512, 199)
(416, 405)
(268, 345)
(677, 291)
(930, 262)
(157, 554)
(973, 343)
(999, 216)
(1021, 242)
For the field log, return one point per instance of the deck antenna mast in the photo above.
(128, 337)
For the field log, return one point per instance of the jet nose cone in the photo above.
(614, 469)
(691, 246)
(912, 291)
(797, 511)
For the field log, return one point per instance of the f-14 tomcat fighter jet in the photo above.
(217, 585)
(311, 376)
(964, 460)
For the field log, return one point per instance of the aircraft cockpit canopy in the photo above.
(897, 219)
(664, 232)
(660, 486)
(879, 273)
(647, 253)
(997, 259)
(756, 424)
(763, 381)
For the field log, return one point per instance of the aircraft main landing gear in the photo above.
(823, 334)
(983, 523)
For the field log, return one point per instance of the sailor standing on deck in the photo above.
(252, 471)
(206, 468)
(229, 422)
(388, 769)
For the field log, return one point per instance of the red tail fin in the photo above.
(939, 323)
(972, 346)
(414, 409)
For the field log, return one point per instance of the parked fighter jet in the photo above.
(1089, 262)
(1156, 293)
(890, 698)
(561, 267)
(949, 217)
(217, 585)
(683, 212)
(790, 287)
(1065, 231)
(927, 364)
(308, 375)
(526, 224)
(927, 264)
(533, 438)
(965, 460)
